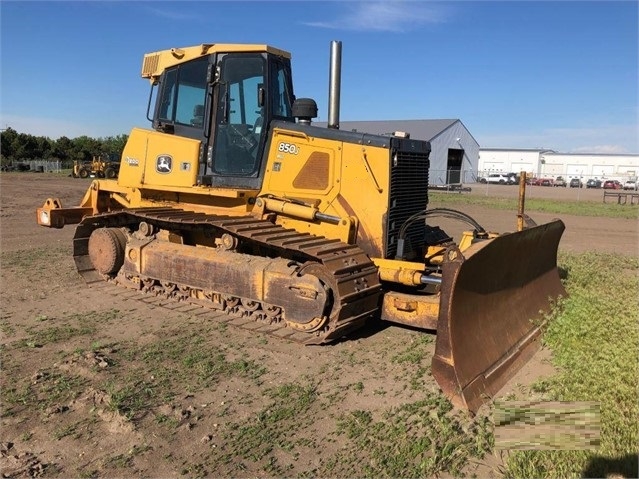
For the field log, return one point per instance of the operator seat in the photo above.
(198, 115)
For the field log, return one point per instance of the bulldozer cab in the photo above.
(216, 107)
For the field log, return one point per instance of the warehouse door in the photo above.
(453, 167)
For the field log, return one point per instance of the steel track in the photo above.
(354, 280)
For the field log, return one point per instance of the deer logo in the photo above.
(163, 164)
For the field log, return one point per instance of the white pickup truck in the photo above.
(631, 184)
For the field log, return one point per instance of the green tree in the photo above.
(7, 138)
(85, 148)
(114, 145)
(62, 148)
(25, 147)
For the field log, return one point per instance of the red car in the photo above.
(542, 182)
(612, 185)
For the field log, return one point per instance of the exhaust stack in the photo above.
(335, 76)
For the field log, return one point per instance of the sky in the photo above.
(544, 74)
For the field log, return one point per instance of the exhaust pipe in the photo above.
(335, 76)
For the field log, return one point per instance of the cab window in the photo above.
(183, 94)
(282, 96)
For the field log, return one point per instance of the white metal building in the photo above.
(589, 165)
(545, 163)
(507, 160)
(454, 153)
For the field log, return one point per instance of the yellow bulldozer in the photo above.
(100, 166)
(235, 201)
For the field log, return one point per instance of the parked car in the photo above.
(513, 178)
(542, 182)
(576, 183)
(593, 183)
(559, 181)
(612, 185)
(496, 178)
(630, 185)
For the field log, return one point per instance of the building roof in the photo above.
(616, 155)
(540, 150)
(421, 129)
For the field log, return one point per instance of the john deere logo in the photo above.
(164, 164)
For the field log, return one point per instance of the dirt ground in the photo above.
(97, 384)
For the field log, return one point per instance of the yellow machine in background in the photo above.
(235, 201)
(100, 166)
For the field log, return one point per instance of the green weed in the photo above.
(594, 340)
(66, 327)
(274, 427)
(6, 328)
(417, 439)
(131, 397)
(416, 352)
(119, 461)
(29, 258)
(65, 431)
(47, 388)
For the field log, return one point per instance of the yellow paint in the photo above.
(155, 63)
(357, 173)
(142, 160)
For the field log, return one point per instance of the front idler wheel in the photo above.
(106, 250)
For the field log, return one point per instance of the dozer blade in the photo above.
(493, 300)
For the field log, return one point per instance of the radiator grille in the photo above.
(408, 195)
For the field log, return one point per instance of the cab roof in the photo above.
(155, 63)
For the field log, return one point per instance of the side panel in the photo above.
(341, 178)
(153, 159)
(302, 167)
(364, 193)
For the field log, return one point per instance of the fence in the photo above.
(39, 166)
(451, 177)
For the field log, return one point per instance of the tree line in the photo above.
(18, 147)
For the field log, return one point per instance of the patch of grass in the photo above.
(416, 360)
(64, 431)
(6, 328)
(594, 340)
(170, 421)
(195, 470)
(29, 258)
(193, 357)
(119, 461)
(88, 473)
(158, 372)
(416, 352)
(67, 327)
(45, 389)
(131, 397)
(577, 208)
(55, 334)
(358, 387)
(274, 427)
(419, 439)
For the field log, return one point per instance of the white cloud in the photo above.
(606, 149)
(384, 16)
(171, 14)
(605, 139)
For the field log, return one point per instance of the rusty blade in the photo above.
(491, 309)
